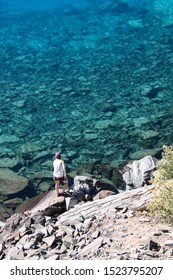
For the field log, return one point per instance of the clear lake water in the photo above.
(92, 79)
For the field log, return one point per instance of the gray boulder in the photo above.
(84, 185)
(137, 173)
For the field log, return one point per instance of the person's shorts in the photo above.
(62, 179)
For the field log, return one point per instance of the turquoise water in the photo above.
(93, 79)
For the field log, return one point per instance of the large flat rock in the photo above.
(49, 200)
(11, 182)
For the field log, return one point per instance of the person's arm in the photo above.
(64, 169)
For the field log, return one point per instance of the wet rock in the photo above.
(164, 10)
(28, 149)
(149, 134)
(8, 139)
(145, 152)
(11, 182)
(101, 125)
(13, 203)
(13, 164)
(43, 175)
(44, 186)
(43, 156)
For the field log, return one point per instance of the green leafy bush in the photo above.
(164, 169)
(161, 202)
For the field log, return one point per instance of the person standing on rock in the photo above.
(59, 174)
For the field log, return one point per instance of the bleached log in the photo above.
(136, 200)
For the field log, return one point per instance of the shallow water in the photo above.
(91, 79)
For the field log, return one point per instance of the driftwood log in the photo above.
(136, 200)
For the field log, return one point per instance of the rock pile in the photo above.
(102, 229)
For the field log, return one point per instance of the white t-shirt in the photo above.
(58, 168)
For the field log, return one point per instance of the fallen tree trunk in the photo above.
(133, 200)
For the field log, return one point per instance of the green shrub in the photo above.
(164, 169)
(161, 202)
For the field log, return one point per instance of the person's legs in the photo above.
(65, 187)
(57, 186)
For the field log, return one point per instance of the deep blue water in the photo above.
(90, 78)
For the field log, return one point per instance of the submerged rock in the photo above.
(10, 182)
(8, 139)
(10, 163)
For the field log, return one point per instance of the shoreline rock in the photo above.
(102, 229)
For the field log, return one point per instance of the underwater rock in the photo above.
(149, 134)
(145, 152)
(106, 107)
(43, 175)
(102, 124)
(42, 156)
(13, 164)
(19, 104)
(138, 23)
(91, 136)
(44, 186)
(11, 182)
(27, 150)
(13, 203)
(141, 121)
(164, 9)
(8, 139)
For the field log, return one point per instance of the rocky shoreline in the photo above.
(108, 66)
(92, 221)
(16, 189)
(107, 228)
